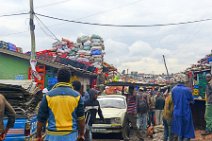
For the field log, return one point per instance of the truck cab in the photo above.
(24, 104)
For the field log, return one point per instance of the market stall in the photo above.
(197, 81)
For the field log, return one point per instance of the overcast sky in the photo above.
(136, 49)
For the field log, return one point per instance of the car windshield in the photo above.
(112, 103)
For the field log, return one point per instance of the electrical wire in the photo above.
(44, 31)
(15, 33)
(15, 14)
(53, 36)
(42, 6)
(109, 10)
(126, 25)
(100, 12)
(51, 4)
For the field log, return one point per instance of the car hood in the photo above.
(113, 112)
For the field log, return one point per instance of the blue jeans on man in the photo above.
(89, 134)
(151, 117)
(141, 125)
(168, 136)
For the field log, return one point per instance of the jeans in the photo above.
(159, 117)
(141, 125)
(142, 121)
(168, 136)
(89, 134)
(151, 117)
(132, 120)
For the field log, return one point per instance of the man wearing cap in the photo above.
(182, 123)
(208, 106)
(142, 102)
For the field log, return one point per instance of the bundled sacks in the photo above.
(83, 39)
(10, 46)
(3, 45)
(68, 43)
(88, 50)
(96, 52)
(95, 45)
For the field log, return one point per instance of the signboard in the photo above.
(196, 90)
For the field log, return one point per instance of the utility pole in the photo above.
(33, 60)
(165, 66)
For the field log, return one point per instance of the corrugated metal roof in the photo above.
(23, 83)
(45, 62)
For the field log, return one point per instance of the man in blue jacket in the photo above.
(63, 109)
(182, 123)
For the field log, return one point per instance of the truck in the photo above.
(24, 103)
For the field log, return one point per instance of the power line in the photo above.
(105, 11)
(100, 12)
(41, 6)
(51, 4)
(52, 34)
(44, 31)
(126, 25)
(91, 15)
(15, 33)
(15, 14)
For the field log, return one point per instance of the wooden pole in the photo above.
(33, 60)
(165, 65)
(32, 28)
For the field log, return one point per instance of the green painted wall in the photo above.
(11, 67)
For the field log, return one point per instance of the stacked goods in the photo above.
(202, 64)
(87, 53)
(91, 48)
(206, 60)
(10, 46)
(62, 48)
(3, 45)
(197, 76)
(198, 67)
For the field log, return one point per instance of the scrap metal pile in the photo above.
(21, 99)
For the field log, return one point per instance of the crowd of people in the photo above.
(170, 107)
(64, 111)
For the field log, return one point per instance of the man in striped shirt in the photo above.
(131, 107)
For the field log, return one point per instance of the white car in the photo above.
(114, 109)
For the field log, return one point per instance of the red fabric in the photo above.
(106, 74)
(93, 83)
(64, 55)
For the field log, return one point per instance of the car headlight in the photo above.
(115, 121)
